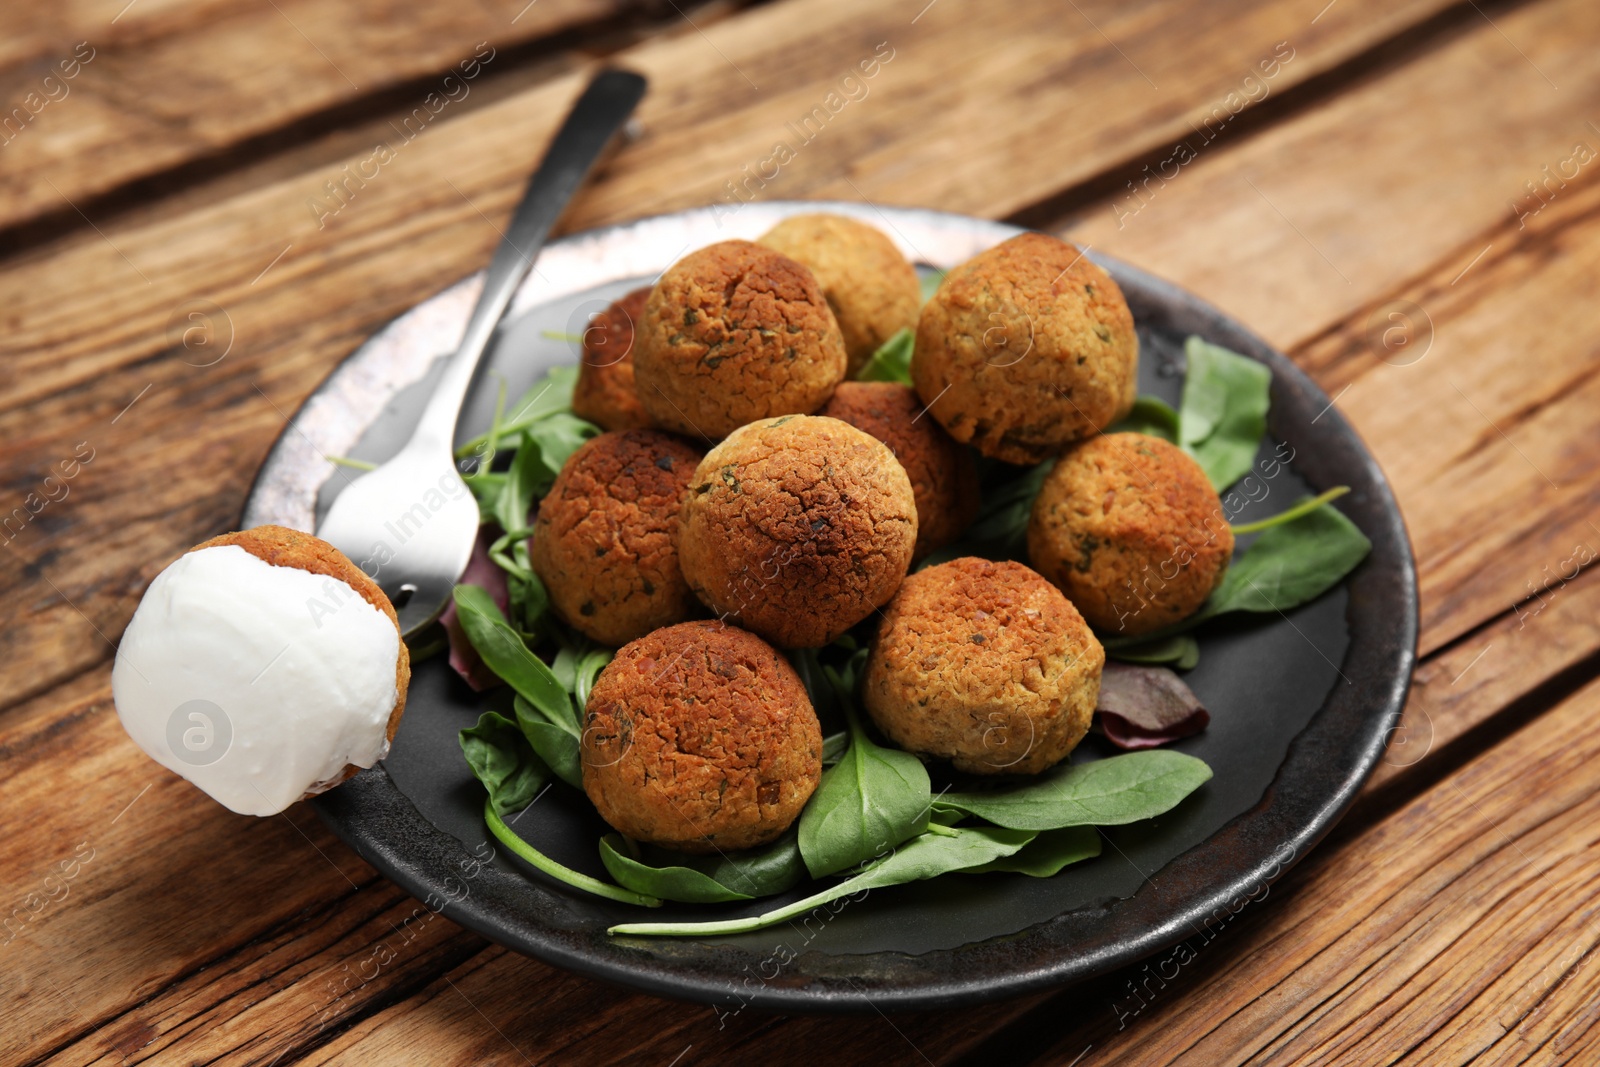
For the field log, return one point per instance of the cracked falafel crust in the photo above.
(733, 333)
(700, 737)
(1026, 348)
(986, 665)
(798, 528)
(872, 289)
(280, 546)
(604, 393)
(944, 476)
(605, 540)
(1128, 526)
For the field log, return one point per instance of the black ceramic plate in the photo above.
(1301, 704)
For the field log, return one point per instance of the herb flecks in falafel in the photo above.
(700, 737)
(986, 665)
(798, 528)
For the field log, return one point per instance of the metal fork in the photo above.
(411, 523)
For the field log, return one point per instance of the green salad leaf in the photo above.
(1001, 529)
(507, 768)
(1290, 564)
(561, 873)
(1304, 507)
(501, 759)
(1150, 415)
(871, 800)
(1224, 410)
(1106, 792)
(550, 395)
(930, 283)
(1180, 650)
(747, 875)
(1048, 853)
(926, 856)
(504, 652)
(554, 738)
(892, 361)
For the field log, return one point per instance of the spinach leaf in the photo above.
(519, 489)
(1047, 853)
(1180, 650)
(892, 361)
(936, 852)
(1001, 529)
(528, 854)
(1224, 410)
(871, 800)
(762, 872)
(486, 488)
(503, 652)
(834, 746)
(589, 668)
(550, 395)
(555, 437)
(1107, 792)
(1291, 564)
(930, 284)
(528, 602)
(554, 738)
(501, 759)
(1150, 415)
(1309, 504)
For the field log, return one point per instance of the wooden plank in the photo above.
(479, 1014)
(167, 84)
(1498, 409)
(1463, 925)
(127, 878)
(92, 320)
(1539, 643)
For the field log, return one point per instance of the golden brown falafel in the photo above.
(986, 665)
(872, 289)
(605, 541)
(280, 546)
(1130, 529)
(733, 333)
(797, 528)
(1026, 348)
(944, 476)
(604, 393)
(700, 737)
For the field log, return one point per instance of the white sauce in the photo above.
(292, 676)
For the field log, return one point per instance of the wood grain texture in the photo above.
(1547, 640)
(296, 287)
(166, 84)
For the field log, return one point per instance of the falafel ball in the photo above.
(872, 289)
(1130, 529)
(604, 393)
(733, 333)
(605, 542)
(797, 528)
(700, 737)
(944, 476)
(1026, 348)
(986, 665)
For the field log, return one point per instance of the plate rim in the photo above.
(372, 816)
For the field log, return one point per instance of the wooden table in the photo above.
(1399, 193)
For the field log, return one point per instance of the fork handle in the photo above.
(597, 116)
